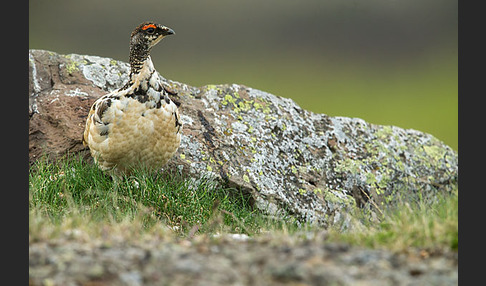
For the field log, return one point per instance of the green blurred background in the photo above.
(388, 62)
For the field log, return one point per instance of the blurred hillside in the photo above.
(386, 61)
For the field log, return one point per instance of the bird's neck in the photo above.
(139, 55)
(141, 69)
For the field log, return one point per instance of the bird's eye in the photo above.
(149, 28)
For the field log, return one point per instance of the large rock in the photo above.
(312, 166)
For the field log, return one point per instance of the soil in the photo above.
(233, 260)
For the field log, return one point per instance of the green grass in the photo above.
(74, 195)
(72, 186)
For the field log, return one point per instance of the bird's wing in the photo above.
(89, 122)
(95, 118)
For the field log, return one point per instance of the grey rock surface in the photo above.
(289, 160)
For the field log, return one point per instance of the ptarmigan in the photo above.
(137, 125)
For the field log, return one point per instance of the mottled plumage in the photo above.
(138, 124)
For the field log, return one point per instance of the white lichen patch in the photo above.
(35, 79)
(186, 120)
(76, 92)
(105, 73)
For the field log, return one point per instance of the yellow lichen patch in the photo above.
(293, 169)
(246, 178)
(228, 99)
(434, 152)
(71, 67)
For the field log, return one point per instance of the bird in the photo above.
(137, 125)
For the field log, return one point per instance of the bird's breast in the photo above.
(130, 130)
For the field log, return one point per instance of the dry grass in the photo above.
(419, 225)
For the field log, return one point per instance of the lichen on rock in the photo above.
(287, 159)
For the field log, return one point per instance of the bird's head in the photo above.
(147, 35)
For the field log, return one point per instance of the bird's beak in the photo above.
(167, 31)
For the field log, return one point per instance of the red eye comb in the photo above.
(148, 26)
